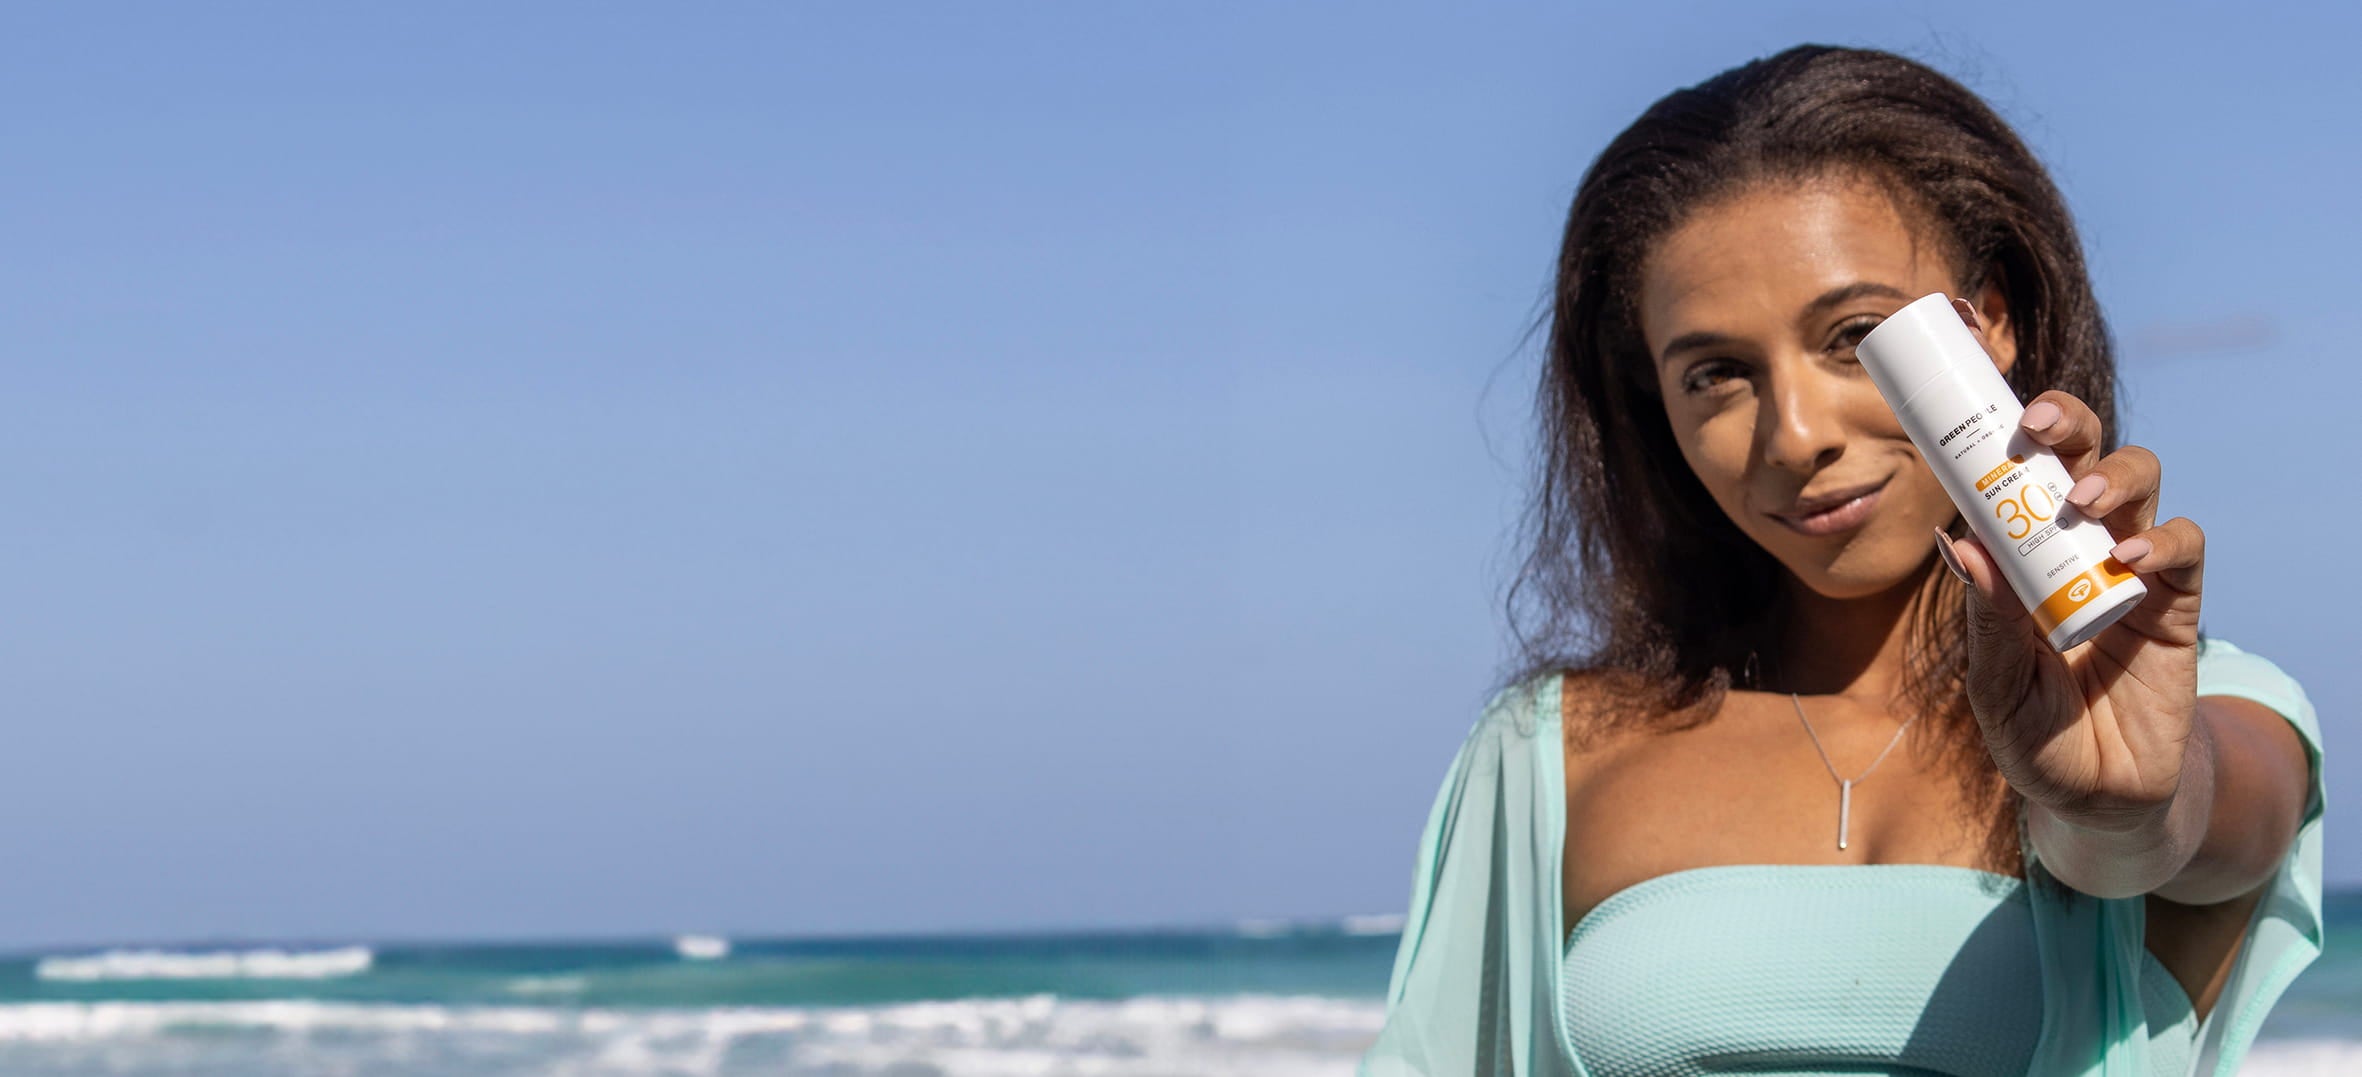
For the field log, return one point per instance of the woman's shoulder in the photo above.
(1590, 718)
(1602, 710)
(1560, 710)
(2227, 669)
(1580, 705)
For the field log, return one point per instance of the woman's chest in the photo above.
(1729, 793)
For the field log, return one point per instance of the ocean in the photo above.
(1260, 999)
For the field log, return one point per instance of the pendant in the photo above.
(1845, 807)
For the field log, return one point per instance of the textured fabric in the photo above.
(1478, 979)
(1808, 969)
(2173, 1025)
(2284, 935)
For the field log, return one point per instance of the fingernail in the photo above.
(1968, 312)
(1951, 560)
(2130, 550)
(2041, 416)
(2086, 489)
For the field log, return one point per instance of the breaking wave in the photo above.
(265, 964)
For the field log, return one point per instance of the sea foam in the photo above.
(266, 964)
(2303, 1058)
(1247, 1036)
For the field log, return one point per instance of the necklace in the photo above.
(1845, 786)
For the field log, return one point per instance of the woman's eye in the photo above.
(1705, 376)
(1851, 333)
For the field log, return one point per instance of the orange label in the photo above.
(2077, 591)
(1998, 471)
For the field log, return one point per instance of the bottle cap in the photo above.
(1915, 344)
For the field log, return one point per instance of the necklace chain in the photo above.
(1845, 786)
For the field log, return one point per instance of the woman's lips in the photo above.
(1837, 518)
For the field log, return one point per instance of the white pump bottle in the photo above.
(1963, 417)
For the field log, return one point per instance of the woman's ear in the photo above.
(1999, 333)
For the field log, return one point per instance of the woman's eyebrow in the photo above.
(1844, 293)
(1695, 339)
(1847, 293)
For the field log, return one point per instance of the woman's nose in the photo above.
(1807, 428)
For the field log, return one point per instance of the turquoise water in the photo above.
(1292, 999)
(832, 972)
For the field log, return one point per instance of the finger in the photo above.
(2067, 426)
(1986, 587)
(2169, 558)
(1975, 324)
(1968, 314)
(2121, 490)
(2172, 553)
(2001, 637)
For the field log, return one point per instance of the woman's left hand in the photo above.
(2095, 735)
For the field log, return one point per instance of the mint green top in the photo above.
(1801, 969)
(1910, 968)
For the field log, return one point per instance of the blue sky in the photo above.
(596, 469)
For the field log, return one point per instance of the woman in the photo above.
(1756, 601)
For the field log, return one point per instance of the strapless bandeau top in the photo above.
(1824, 969)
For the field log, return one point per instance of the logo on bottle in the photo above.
(2070, 596)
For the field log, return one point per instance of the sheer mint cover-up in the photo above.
(1477, 986)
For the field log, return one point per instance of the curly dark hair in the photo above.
(1634, 575)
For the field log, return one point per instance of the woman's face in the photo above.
(1751, 308)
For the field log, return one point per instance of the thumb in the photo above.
(1992, 603)
(2002, 636)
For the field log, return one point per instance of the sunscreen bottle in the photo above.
(1963, 416)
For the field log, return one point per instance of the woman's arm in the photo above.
(2222, 834)
(2134, 781)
